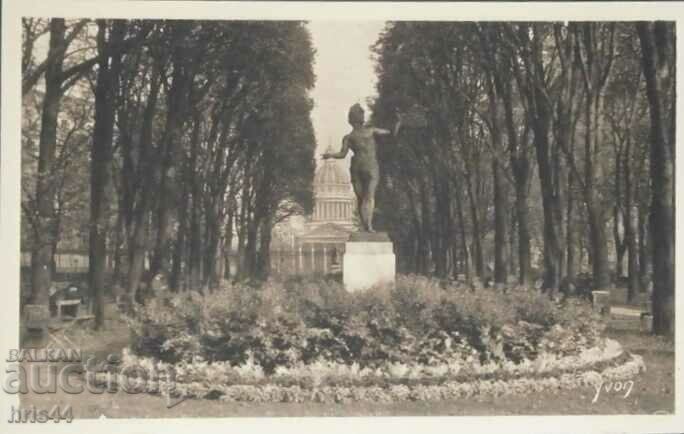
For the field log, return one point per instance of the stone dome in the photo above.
(334, 197)
(332, 178)
(331, 172)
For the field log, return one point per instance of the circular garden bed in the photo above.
(421, 340)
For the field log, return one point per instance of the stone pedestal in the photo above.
(368, 261)
(646, 322)
(601, 301)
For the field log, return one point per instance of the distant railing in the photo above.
(67, 262)
(305, 261)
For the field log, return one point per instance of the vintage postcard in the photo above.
(235, 215)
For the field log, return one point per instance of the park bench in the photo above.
(68, 307)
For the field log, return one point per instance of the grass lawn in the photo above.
(652, 392)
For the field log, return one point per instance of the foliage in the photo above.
(418, 321)
(203, 127)
(557, 111)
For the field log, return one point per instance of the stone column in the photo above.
(300, 269)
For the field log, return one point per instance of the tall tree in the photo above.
(109, 37)
(535, 86)
(185, 56)
(658, 59)
(595, 50)
(41, 256)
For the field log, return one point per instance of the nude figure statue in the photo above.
(364, 168)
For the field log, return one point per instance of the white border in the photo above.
(10, 192)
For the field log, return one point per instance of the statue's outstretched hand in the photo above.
(325, 156)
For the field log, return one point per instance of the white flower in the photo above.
(397, 370)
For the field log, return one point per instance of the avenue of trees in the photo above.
(526, 139)
(530, 151)
(156, 141)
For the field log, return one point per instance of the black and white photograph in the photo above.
(306, 217)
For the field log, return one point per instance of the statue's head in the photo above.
(356, 115)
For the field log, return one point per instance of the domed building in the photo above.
(333, 195)
(332, 219)
(319, 243)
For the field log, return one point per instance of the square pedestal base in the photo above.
(368, 263)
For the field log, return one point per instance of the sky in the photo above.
(344, 75)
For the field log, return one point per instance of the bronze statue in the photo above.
(364, 169)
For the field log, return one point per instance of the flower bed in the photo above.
(331, 382)
(420, 340)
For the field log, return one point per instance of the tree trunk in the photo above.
(264, 256)
(599, 248)
(213, 246)
(101, 160)
(251, 248)
(441, 228)
(140, 221)
(540, 117)
(500, 209)
(179, 249)
(228, 248)
(523, 220)
(426, 231)
(195, 225)
(119, 254)
(630, 228)
(463, 241)
(416, 238)
(41, 258)
(520, 167)
(177, 101)
(645, 250)
(655, 62)
(594, 54)
(478, 258)
(619, 239)
(242, 232)
(558, 176)
(540, 125)
(570, 232)
(195, 259)
(632, 256)
(595, 211)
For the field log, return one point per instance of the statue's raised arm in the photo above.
(386, 132)
(343, 152)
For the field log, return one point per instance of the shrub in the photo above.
(417, 321)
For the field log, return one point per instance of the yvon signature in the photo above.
(614, 387)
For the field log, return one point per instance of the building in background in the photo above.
(334, 199)
(316, 246)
